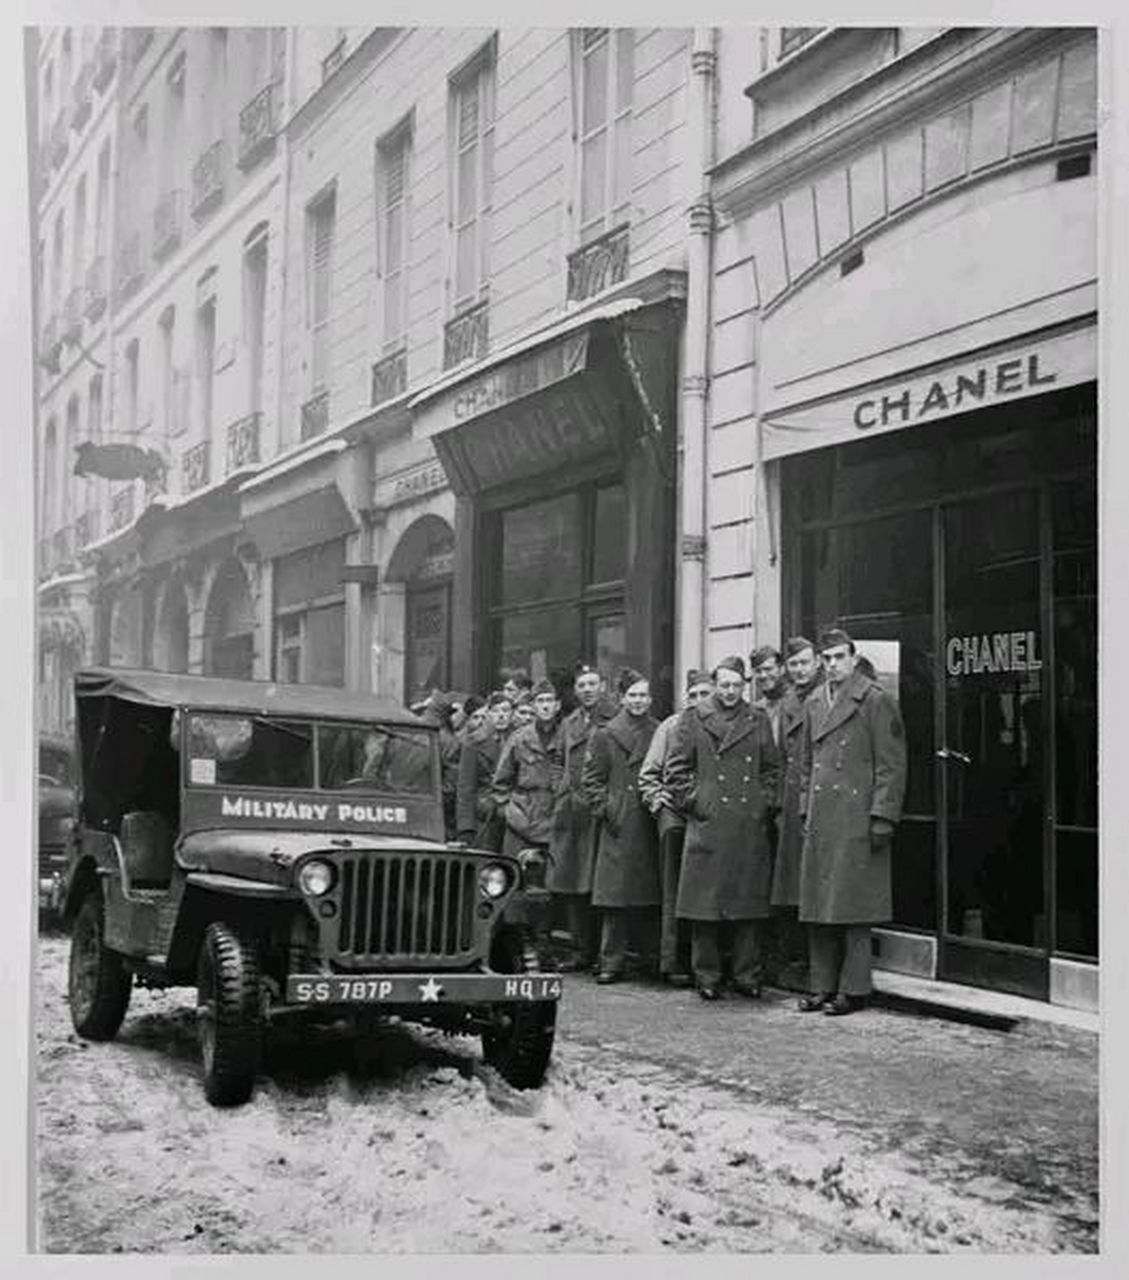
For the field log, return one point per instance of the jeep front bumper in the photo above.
(421, 988)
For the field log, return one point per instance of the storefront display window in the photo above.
(309, 607)
(559, 590)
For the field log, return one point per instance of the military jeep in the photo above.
(280, 848)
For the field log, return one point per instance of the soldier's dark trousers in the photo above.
(705, 958)
(621, 927)
(839, 959)
(580, 921)
(674, 945)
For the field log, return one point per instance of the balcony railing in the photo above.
(62, 548)
(167, 224)
(60, 138)
(96, 288)
(243, 442)
(315, 415)
(138, 39)
(131, 272)
(258, 125)
(794, 38)
(83, 99)
(121, 508)
(597, 265)
(333, 60)
(194, 471)
(390, 377)
(156, 483)
(85, 529)
(207, 180)
(105, 58)
(467, 336)
(72, 316)
(50, 345)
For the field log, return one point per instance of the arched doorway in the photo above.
(170, 641)
(422, 562)
(229, 624)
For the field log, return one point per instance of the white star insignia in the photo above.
(430, 990)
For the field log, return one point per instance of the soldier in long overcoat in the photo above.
(477, 817)
(528, 778)
(853, 778)
(723, 772)
(626, 874)
(572, 847)
(806, 675)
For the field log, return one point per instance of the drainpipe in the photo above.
(693, 415)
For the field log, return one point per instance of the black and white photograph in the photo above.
(566, 624)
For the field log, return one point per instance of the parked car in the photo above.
(280, 848)
(56, 810)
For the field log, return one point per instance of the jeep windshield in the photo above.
(258, 751)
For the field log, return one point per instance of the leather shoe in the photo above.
(709, 993)
(842, 1005)
(813, 1004)
(750, 990)
(677, 979)
(606, 976)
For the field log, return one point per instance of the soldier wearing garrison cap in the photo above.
(852, 783)
(723, 773)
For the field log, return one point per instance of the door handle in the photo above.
(948, 753)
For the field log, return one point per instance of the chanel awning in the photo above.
(574, 398)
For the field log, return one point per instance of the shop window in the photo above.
(604, 77)
(310, 616)
(559, 588)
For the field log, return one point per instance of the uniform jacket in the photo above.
(626, 873)
(853, 769)
(526, 784)
(789, 823)
(476, 813)
(652, 779)
(572, 847)
(724, 774)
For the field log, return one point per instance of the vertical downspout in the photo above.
(693, 418)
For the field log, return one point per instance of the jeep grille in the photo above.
(407, 906)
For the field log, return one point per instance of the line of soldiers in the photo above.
(730, 813)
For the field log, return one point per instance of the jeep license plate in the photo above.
(439, 988)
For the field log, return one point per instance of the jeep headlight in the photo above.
(493, 880)
(316, 878)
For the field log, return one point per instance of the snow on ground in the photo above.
(411, 1144)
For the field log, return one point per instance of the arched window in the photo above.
(68, 482)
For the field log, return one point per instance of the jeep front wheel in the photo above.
(229, 1014)
(98, 982)
(520, 1043)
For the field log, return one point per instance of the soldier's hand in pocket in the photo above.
(881, 835)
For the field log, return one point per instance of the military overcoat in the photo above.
(789, 822)
(723, 772)
(476, 812)
(526, 785)
(626, 873)
(572, 847)
(853, 769)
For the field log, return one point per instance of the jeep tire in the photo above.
(98, 981)
(229, 1014)
(520, 1051)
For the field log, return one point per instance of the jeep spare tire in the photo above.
(229, 1014)
(98, 982)
(520, 1043)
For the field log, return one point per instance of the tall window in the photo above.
(214, 89)
(66, 72)
(169, 423)
(102, 200)
(140, 167)
(472, 101)
(78, 253)
(254, 317)
(57, 259)
(172, 154)
(48, 94)
(94, 413)
(606, 75)
(68, 491)
(206, 361)
(50, 467)
(321, 219)
(392, 177)
(132, 373)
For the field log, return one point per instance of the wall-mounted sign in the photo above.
(1061, 359)
(998, 651)
(408, 485)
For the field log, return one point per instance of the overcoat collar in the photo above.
(726, 731)
(542, 745)
(580, 723)
(826, 719)
(792, 712)
(633, 734)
